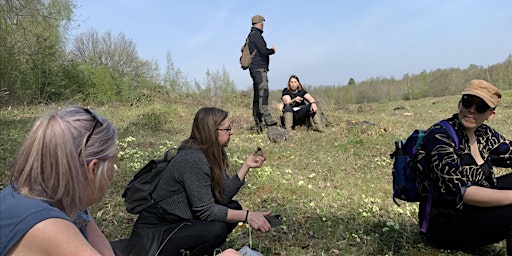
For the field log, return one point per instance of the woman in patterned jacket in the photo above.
(468, 206)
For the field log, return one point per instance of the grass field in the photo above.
(333, 189)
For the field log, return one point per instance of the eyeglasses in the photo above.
(480, 106)
(228, 130)
(97, 121)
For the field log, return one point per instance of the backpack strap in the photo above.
(452, 132)
(168, 156)
(247, 42)
(455, 138)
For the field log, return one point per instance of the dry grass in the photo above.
(333, 189)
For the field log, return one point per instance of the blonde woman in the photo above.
(65, 165)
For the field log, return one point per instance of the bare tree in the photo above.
(218, 85)
(116, 52)
(174, 78)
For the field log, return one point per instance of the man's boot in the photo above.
(270, 122)
(288, 120)
(317, 122)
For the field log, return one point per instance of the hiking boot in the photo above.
(271, 123)
(259, 128)
(258, 125)
(317, 123)
(288, 120)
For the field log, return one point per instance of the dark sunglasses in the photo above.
(228, 130)
(97, 121)
(480, 106)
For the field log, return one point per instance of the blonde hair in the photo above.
(52, 163)
(204, 136)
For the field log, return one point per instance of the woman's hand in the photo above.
(229, 252)
(314, 108)
(258, 221)
(254, 160)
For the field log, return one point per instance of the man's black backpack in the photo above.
(138, 193)
(246, 58)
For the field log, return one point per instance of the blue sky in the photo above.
(322, 42)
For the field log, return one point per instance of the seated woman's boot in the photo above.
(288, 120)
(317, 122)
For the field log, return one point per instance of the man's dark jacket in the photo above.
(261, 58)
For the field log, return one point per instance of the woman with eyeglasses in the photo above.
(464, 205)
(65, 165)
(199, 211)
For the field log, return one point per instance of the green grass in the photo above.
(333, 189)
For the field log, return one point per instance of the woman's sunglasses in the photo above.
(97, 121)
(480, 106)
(89, 135)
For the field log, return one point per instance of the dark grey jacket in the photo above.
(188, 175)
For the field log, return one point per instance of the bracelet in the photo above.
(246, 216)
(314, 102)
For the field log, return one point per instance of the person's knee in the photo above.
(217, 234)
(288, 108)
(213, 236)
(264, 94)
(263, 87)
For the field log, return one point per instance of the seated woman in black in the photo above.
(299, 106)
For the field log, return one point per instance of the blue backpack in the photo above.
(405, 178)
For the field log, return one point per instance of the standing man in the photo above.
(258, 70)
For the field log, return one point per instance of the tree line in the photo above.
(41, 64)
(435, 83)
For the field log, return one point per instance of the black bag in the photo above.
(138, 193)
